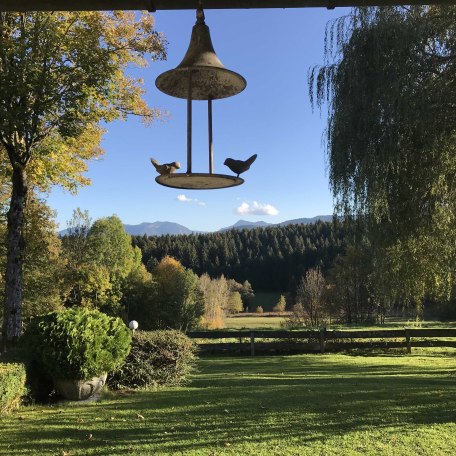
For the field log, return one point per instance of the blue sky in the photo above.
(273, 50)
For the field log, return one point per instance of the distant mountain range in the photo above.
(244, 224)
(151, 229)
(162, 228)
(157, 229)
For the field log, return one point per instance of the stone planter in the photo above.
(79, 390)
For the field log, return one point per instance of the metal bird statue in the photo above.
(239, 166)
(166, 168)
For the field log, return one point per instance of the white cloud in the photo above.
(185, 199)
(256, 209)
(242, 209)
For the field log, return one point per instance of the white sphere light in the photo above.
(133, 325)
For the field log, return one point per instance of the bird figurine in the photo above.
(166, 168)
(239, 166)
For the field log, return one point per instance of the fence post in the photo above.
(252, 343)
(407, 341)
(322, 340)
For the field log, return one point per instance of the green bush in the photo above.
(157, 358)
(76, 343)
(12, 385)
(40, 387)
(259, 310)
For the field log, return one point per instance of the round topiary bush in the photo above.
(157, 358)
(77, 344)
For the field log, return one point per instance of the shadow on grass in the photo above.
(302, 398)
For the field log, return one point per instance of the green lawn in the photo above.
(298, 405)
(253, 322)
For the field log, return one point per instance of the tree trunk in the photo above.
(12, 307)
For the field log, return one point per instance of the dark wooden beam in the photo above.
(154, 5)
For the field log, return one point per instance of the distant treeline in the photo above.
(271, 259)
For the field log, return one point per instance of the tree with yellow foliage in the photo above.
(43, 262)
(178, 302)
(61, 74)
(216, 294)
(281, 304)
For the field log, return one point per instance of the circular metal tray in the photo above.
(198, 181)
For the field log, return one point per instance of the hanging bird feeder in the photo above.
(200, 76)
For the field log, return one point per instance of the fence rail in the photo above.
(317, 339)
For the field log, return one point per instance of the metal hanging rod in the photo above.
(156, 5)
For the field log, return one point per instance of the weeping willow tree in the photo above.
(389, 84)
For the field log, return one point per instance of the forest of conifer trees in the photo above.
(271, 259)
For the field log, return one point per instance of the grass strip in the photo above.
(295, 405)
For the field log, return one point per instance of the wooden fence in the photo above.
(320, 340)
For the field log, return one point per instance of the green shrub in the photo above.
(259, 310)
(40, 387)
(12, 385)
(157, 358)
(76, 343)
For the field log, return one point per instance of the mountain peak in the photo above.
(157, 229)
(245, 224)
(162, 228)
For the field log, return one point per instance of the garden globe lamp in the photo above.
(133, 325)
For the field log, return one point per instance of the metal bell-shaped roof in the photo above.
(201, 75)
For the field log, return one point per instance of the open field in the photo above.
(296, 405)
(253, 321)
(271, 321)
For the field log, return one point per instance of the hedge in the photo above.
(12, 385)
(157, 358)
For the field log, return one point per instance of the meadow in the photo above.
(274, 321)
(387, 404)
(253, 321)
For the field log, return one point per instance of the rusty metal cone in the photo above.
(210, 80)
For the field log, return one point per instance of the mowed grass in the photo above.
(298, 405)
(271, 321)
(254, 322)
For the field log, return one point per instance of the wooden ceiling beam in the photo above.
(155, 5)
